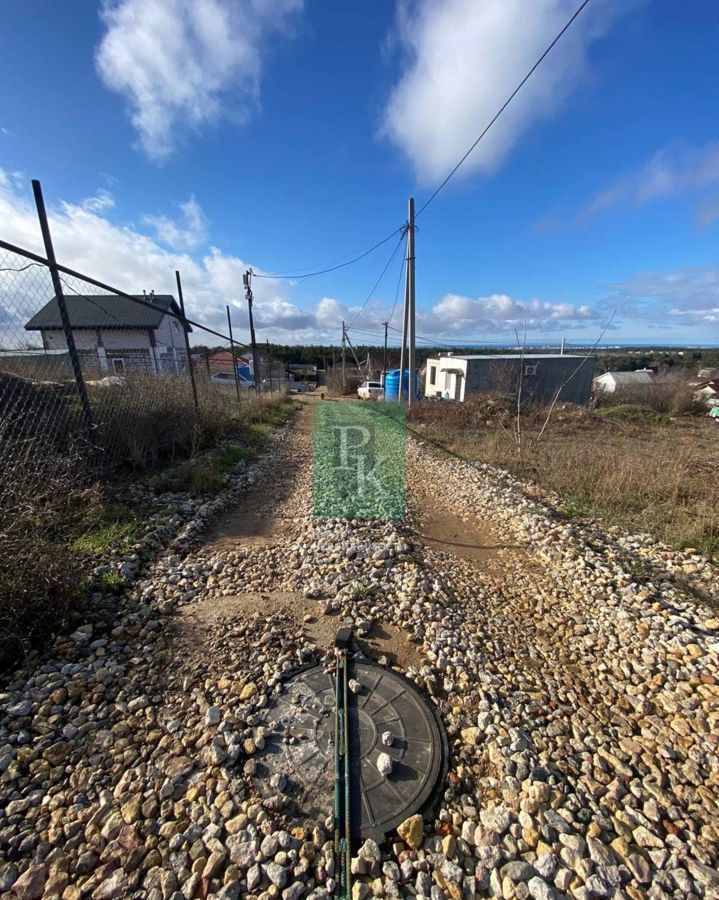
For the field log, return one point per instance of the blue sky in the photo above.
(208, 135)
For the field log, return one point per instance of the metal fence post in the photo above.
(234, 363)
(187, 345)
(60, 297)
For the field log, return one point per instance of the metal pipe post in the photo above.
(187, 345)
(60, 297)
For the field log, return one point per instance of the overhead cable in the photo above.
(298, 275)
(506, 103)
(376, 284)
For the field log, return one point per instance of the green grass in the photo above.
(576, 506)
(634, 413)
(204, 475)
(107, 526)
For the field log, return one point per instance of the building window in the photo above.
(118, 365)
(433, 374)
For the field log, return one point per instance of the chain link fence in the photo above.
(103, 376)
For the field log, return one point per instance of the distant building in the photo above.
(610, 382)
(708, 392)
(542, 376)
(221, 361)
(114, 334)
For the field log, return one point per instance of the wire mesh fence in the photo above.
(104, 377)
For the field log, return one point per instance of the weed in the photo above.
(105, 527)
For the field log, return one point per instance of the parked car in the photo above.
(370, 390)
(229, 378)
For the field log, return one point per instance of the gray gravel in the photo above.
(577, 677)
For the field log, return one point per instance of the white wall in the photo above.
(447, 381)
(430, 390)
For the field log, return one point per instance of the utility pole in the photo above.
(410, 300)
(247, 281)
(403, 348)
(384, 357)
(344, 354)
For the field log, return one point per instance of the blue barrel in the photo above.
(391, 385)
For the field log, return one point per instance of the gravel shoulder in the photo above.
(576, 672)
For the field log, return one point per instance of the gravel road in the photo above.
(576, 671)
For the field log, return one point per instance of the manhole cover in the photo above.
(300, 747)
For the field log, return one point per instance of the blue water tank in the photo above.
(391, 385)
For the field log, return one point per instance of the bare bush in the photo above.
(334, 384)
(39, 580)
(668, 394)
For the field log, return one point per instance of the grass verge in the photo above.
(56, 525)
(625, 465)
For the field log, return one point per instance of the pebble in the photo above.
(576, 678)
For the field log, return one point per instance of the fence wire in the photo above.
(115, 384)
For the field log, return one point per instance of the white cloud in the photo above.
(182, 64)
(464, 58)
(184, 234)
(87, 240)
(672, 171)
(500, 313)
(689, 296)
(101, 201)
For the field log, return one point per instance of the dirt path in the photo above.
(581, 705)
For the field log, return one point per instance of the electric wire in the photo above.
(377, 283)
(506, 103)
(399, 282)
(297, 276)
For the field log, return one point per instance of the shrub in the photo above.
(38, 578)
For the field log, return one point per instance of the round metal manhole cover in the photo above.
(300, 747)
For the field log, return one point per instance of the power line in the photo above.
(506, 103)
(399, 282)
(376, 284)
(342, 265)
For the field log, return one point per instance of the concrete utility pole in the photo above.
(410, 299)
(403, 348)
(344, 353)
(234, 358)
(384, 357)
(247, 281)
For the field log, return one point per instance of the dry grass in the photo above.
(334, 384)
(636, 469)
(58, 511)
